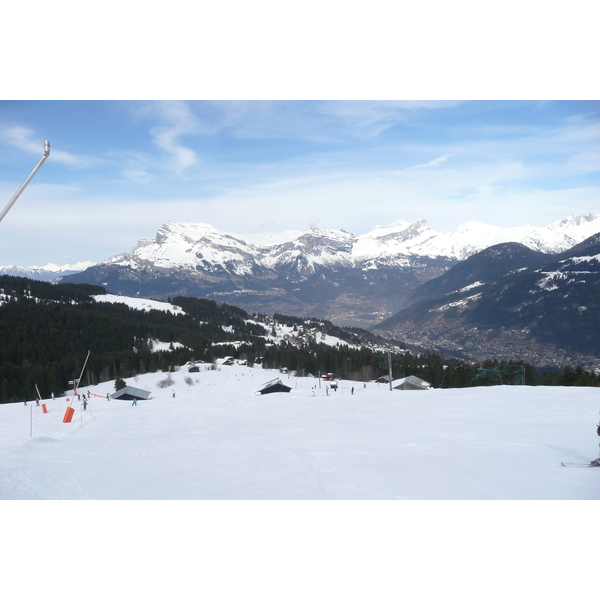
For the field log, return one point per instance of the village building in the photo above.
(411, 383)
(129, 393)
(275, 385)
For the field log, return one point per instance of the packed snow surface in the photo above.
(210, 437)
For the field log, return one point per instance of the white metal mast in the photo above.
(29, 178)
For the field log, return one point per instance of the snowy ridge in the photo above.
(202, 247)
(275, 333)
(47, 273)
(140, 303)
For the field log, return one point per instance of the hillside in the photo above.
(331, 274)
(511, 303)
(207, 436)
(47, 331)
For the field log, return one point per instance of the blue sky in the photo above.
(119, 169)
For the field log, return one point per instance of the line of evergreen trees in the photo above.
(46, 331)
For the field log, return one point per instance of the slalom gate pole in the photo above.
(31, 420)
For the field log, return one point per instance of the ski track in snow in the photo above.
(216, 440)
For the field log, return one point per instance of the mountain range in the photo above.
(510, 302)
(346, 278)
(50, 272)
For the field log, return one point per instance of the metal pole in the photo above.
(390, 368)
(29, 178)
(82, 370)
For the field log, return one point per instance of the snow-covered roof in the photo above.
(411, 381)
(273, 383)
(131, 391)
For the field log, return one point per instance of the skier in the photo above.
(134, 403)
(84, 403)
(596, 462)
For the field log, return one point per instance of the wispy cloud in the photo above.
(138, 176)
(370, 118)
(29, 141)
(176, 121)
(316, 121)
(433, 163)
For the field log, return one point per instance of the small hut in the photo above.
(129, 393)
(411, 383)
(275, 385)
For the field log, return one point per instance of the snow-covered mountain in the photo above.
(511, 302)
(202, 246)
(48, 273)
(419, 239)
(348, 278)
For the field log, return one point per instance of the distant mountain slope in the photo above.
(47, 329)
(346, 278)
(509, 302)
(487, 266)
(50, 272)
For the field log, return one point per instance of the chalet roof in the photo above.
(411, 382)
(275, 385)
(129, 392)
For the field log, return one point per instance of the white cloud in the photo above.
(178, 121)
(433, 163)
(586, 162)
(138, 176)
(26, 139)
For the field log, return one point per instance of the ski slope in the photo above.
(211, 438)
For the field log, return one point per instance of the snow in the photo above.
(80, 265)
(140, 303)
(214, 439)
(580, 259)
(470, 287)
(193, 245)
(462, 302)
(158, 346)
